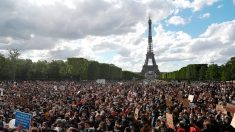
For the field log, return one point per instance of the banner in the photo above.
(22, 119)
(169, 120)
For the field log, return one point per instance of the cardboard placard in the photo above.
(136, 115)
(169, 120)
(186, 103)
(233, 121)
(180, 98)
(1, 91)
(230, 108)
(221, 108)
(190, 98)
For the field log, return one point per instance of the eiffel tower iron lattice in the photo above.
(150, 71)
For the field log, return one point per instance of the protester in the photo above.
(132, 106)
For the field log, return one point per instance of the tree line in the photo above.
(202, 72)
(13, 68)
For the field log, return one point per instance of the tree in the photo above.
(78, 67)
(39, 70)
(115, 72)
(104, 71)
(127, 75)
(2, 66)
(64, 73)
(93, 70)
(13, 54)
(202, 73)
(213, 72)
(23, 69)
(54, 70)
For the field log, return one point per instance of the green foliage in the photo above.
(82, 69)
(202, 72)
(39, 70)
(93, 70)
(104, 71)
(213, 72)
(194, 72)
(23, 69)
(78, 68)
(127, 75)
(4, 67)
(225, 75)
(115, 73)
(13, 56)
(231, 64)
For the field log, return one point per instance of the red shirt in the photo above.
(180, 130)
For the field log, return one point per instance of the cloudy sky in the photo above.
(115, 31)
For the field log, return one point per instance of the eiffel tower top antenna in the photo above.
(150, 45)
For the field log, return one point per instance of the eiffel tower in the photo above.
(150, 71)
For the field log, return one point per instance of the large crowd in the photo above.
(133, 106)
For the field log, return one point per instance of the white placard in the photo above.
(100, 81)
(233, 121)
(1, 91)
(190, 98)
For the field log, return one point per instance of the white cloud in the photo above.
(196, 5)
(111, 31)
(176, 20)
(205, 15)
(172, 49)
(234, 2)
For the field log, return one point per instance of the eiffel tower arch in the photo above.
(150, 71)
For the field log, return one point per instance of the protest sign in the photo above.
(230, 108)
(186, 103)
(11, 124)
(100, 81)
(1, 91)
(137, 109)
(190, 98)
(220, 108)
(233, 121)
(22, 119)
(169, 120)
